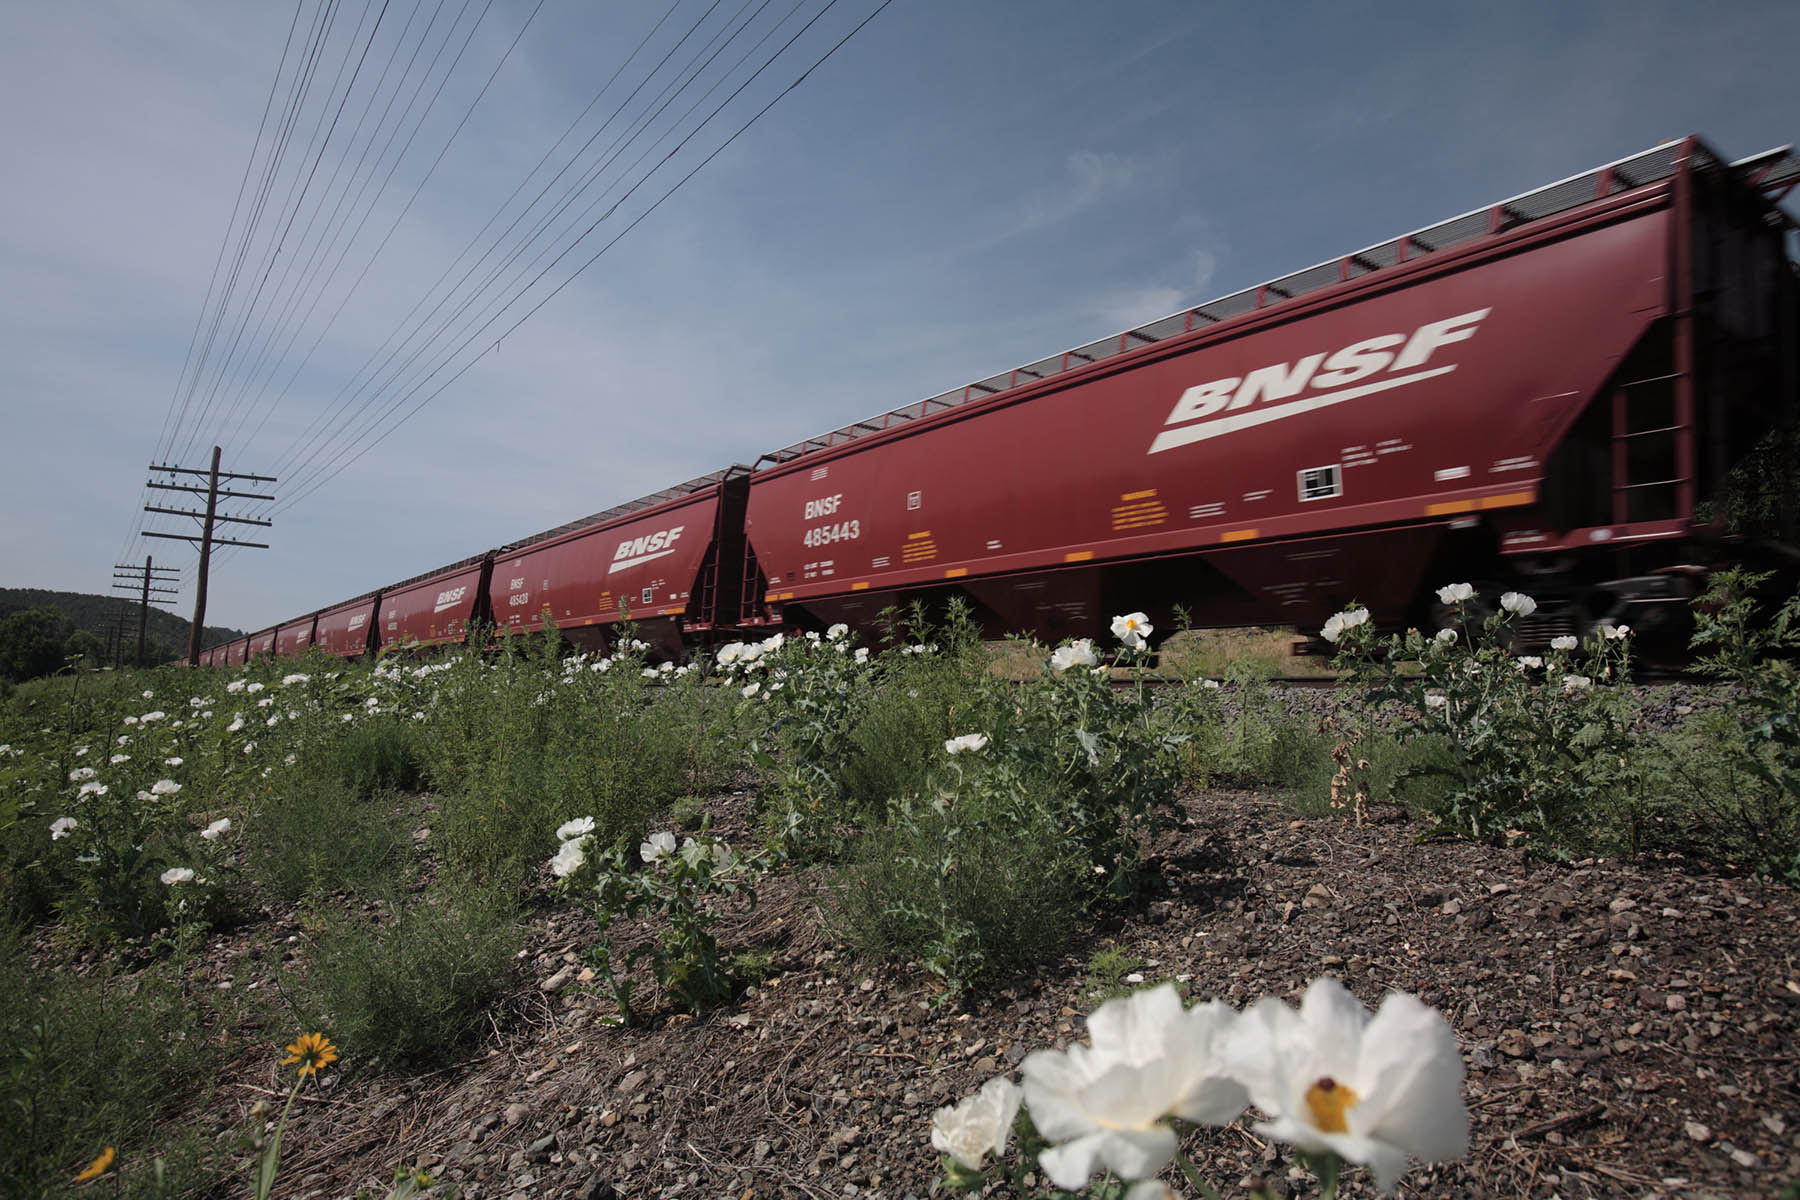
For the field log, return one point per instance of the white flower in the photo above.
(372, 702)
(131, 720)
(249, 747)
(288, 680)
(1518, 603)
(149, 695)
(1078, 653)
(164, 787)
(149, 717)
(1211, 685)
(1447, 636)
(236, 685)
(61, 828)
(347, 718)
(1133, 629)
(648, 672)
(1371, 1091)
(862, 654)
(1435, 700)
(1613, 633)
(1456, 593)
(750, 689)
(1105, 1104)
(254, 688)
(658, 848)
(172, 762)
(177, 875)
(237, 723)
(837, 632)
(91, 789)
(290, 760)
(723, 856)
(1530, 662)
(124, 739)
(965, 744)
(579, 827)
(217, 829)
(569, 857)
(1575, 683)
(116, 759)
(1565, 642)
(1337, 623)
(977, 1124)
(81, 774)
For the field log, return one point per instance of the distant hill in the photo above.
(166, 635)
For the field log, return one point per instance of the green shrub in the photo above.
(417, 986)
(377, 756)
(88, 1061)
(312, 834)
(973, 886)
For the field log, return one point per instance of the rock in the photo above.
(1675, 1003)
(1622, 904)
(1697, 1131)
(558, 981)
(1450, 907)
(1744, 1158)
(515, 1113)
(1318, 896)
(597, 1188)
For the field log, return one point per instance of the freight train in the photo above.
(1588, 391)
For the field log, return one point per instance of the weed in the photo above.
(1106, 972)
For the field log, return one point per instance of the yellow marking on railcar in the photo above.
(1078, 556)
(1237, 535)
(956, 572)
(860, 587)
(1508, 499)
(1445, 508)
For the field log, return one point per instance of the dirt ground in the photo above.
(1629, 1030)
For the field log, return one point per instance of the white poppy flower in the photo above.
(149, 695)
(172, 762)
(750, 689)
(579, 827)
(1435, 700)
(1337, 623)
(1518, 603)
(116, 759)
(236, 685)
(131, 720)
(965, 744)
(164, 787)
(723, 856)
(91, 789)
(1456, 593)
(1134, 629)
(237, 723)
(289, 680)
(1370, 1091)
(177, 875)
(1613, 633)
(217, 829)
(837, 632)
(1211, 685)
(249, 747)
(1565, 642)
(977, 1124)
(149, 717)
(1447, 636)
(1575, 683)
(659, 847)
(569, 857)
(1105, 1104)
(61, 828)
(81, 774)
(862, 654)
(1078, 653)
(254, 688)
(1530, 662)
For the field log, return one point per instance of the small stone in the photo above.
(1674, 1003)
(515, 1113)
(558, 981)
(1450, 907)
(1318, 896)
(1622, 904)
(1744, 1158)
(1697, 1131)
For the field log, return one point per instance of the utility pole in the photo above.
(205, 539)
(140, 579)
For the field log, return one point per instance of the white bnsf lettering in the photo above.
(358, 621)
(633, 551)
(823, 508)
(449, 598)
(1287, 389)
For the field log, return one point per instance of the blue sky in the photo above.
(960, 189)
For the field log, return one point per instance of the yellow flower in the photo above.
(98, 1167)
(312, 1051)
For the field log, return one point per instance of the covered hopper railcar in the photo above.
(1550, 393)
(1587, 391)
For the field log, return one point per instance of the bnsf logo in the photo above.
(358, 621)
(823, 508)
(449, 598)
(1276, 391)
(651, 546)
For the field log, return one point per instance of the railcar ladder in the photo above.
(1646, 451)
